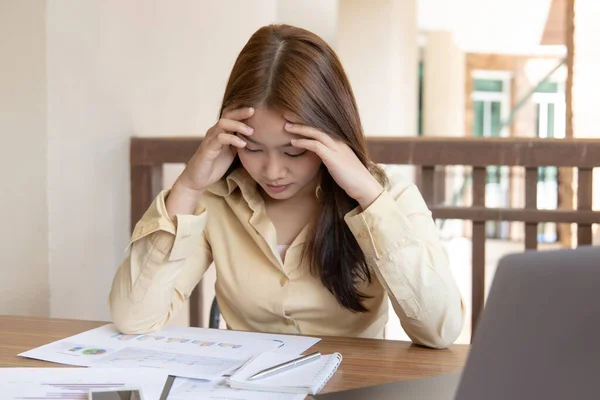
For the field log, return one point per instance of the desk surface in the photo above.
(366, 361)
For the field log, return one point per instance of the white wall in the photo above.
(23, 238)
(318, 16)
(377, 43)
(116, 69)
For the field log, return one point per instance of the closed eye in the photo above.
(296, 155)
(252, 151)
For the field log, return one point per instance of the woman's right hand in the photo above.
(217, 151)
(210, 162)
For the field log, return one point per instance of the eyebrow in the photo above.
(249, 139)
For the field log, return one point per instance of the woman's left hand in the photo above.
(343, 165)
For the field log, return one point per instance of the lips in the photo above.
(277, 188)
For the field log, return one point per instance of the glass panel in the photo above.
(547, 174)
(493, 174)
(495, 128)
(547, 232)
(488, 85)
(548, 87)
(550, 120)
(547, 200)
(478, 118)
(497, 195)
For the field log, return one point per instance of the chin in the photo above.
(280, 196)
(286, 194)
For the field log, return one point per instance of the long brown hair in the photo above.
(289, 69)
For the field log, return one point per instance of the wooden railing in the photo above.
(148, 155)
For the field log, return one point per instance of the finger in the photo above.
(238, 113)
(230, 125)
(310, 132)
(227, 139)
(312, 145)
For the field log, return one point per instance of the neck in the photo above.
(301, 200)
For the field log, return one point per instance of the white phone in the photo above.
(116, 394)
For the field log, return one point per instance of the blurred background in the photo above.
(79, 78)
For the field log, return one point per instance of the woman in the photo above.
(307, 234)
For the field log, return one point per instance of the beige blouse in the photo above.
(258, 290)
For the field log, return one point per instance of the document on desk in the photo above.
(75, 383)
(192, 389)
(186, 352)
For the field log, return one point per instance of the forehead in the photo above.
(269, 125)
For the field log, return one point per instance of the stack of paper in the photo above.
(206, 355)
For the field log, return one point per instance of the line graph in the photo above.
(138, 357)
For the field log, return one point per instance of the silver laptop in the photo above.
(538, 338)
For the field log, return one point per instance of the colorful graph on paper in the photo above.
(185, 352)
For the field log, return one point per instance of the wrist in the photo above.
(185, 183)
(182, 200)
(369, 194)
(185, 190)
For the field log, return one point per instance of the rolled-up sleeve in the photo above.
(401, 244)
(164, 262)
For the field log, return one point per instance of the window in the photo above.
(491, 102)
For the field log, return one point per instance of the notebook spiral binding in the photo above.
(321, 378)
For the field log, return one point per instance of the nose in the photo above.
(274, 169)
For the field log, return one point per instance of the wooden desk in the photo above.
(366, 361)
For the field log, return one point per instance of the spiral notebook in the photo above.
(307, 379)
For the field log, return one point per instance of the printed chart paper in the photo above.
(75, 383)
(186, 352)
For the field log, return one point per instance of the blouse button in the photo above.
(284, 280)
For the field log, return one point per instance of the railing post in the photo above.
(584, 202)
(478, 249)
(146, 184)
(428, 184)
(531, 179)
